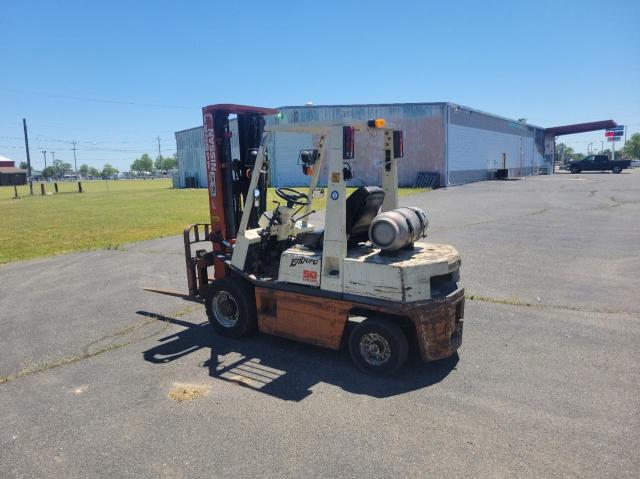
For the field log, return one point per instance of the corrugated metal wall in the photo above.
(283, 155)
(459, 143)
(422, 124)
(190, 152)
(476, 142)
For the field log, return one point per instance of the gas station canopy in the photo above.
(580, 127)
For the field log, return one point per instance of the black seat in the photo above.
(362, 206)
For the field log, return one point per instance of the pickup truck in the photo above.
(597, 163)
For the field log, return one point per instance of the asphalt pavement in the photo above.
(545, 384)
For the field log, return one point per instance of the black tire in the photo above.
(231, 307)
(616, 169)
(574, 170)
(383, 335)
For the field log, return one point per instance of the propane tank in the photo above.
(399, 228)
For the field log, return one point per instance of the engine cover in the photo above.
(300, 266)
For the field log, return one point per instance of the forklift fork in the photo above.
(197, 276)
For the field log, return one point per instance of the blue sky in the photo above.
(115, 75)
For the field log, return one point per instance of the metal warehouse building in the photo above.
(458, 143)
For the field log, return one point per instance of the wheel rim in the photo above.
(375, 349)
(225, 309)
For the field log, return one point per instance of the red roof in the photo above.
(580, 127)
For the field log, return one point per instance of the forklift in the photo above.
(364, 280)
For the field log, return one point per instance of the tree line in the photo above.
(146, 164)
(60, 169)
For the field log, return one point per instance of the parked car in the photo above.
(635, 163)
(597, 163)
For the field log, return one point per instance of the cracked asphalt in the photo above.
(545, 385)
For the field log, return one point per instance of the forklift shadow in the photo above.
(286, 369)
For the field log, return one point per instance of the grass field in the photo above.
(105, 216)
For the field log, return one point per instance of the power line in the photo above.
(99, 100)
(67, 127)
(115, 150)
(40, 136)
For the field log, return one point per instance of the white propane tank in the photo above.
(396, 229)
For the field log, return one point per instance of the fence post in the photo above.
(55, 185)
(42, 188)
(79, 187)
(15, 192)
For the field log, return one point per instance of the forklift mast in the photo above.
(228, 178)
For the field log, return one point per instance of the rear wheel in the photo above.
(231, 307)
(378, 346)
(616, 169)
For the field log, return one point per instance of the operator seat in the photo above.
(362, 206)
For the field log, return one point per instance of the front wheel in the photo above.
(378, 346)
(574, 169)
(616, 169)
(231, 307)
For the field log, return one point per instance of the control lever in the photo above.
(303, 216)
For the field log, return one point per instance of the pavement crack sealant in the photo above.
(97, 347)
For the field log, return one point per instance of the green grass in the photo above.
(105, 216)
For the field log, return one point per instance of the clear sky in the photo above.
(115, 75)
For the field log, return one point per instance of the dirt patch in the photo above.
(187, 392)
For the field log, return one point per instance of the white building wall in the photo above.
(474, 154)
(284, 150)
(476, 142)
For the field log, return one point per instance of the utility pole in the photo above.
(159, 155)
(75, 163)
(26, 146)
(602, 146)
(44, 153)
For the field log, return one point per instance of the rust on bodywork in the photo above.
(322, 321)
(438, 323)
(439, 326)
(305, 318)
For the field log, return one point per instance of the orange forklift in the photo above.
(364, 280)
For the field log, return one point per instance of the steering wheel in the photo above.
(293, 197)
